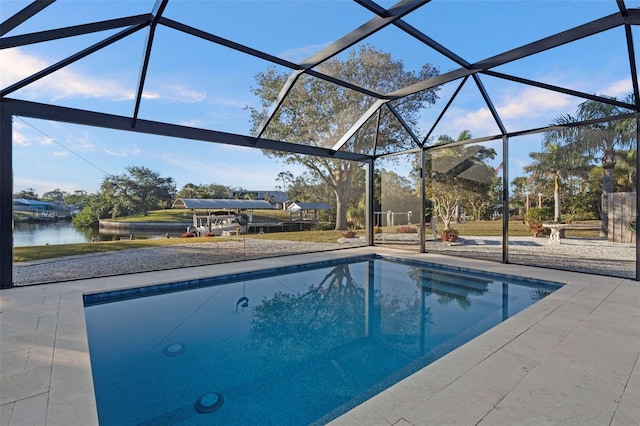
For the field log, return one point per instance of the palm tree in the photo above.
(627, 171)
(269, 198)
(558, 162)
(285, 177)
(521, 187)
(599, 140)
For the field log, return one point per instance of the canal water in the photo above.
(42, 233)
(63, 232)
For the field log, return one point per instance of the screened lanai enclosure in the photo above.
(512, 124)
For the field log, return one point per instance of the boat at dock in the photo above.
(217, 224)
(223, 216)
(46, 215)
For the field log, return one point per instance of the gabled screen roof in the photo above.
(253, 73)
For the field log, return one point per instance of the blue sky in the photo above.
(195, 83)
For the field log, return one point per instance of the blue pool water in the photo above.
(298, 345)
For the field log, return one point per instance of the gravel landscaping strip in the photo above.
(588, 255)
(594, 256)
(158, 258)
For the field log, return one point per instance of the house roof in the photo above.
(231, 204)
(29, 202)
(278, 196)
(296, 207)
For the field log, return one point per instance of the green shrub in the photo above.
(86, 218)
(536, 215)
(584, 215)
(322, 226)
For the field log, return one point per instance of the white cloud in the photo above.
(235, 148)
(44, 141)
(22, 136)
(65, 83)
(26, 134)
(22, 65)
(522, 109)
(41, 186)
(479, 120)
(61, 84)
(193, 164)
(299, 54)
(176, 93)
(618, 89)
(83, 143)
(134, 150)
(532, 102)
(230, 102)
(19, 138)
(238, 173)
(191, 123)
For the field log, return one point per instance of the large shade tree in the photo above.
(329, 318)
(56, 195)
(28, 193)
(137, 191)
(319, 113)
(211, 190)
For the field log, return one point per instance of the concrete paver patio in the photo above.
(571, 358)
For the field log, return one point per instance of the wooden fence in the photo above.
(622, 212)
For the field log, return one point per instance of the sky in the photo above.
(195, 83)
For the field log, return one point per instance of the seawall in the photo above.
(112, 226)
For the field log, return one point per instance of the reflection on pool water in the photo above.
(298, 345)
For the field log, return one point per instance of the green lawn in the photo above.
(159, 216)
(480, 228)
(20, 215)
(23, 254)
(516, 228)
(472, 228)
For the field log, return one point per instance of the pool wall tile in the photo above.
(135, 292)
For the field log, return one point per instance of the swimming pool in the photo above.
(295, 345)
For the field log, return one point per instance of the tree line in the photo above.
(139, 190)
(460, 180)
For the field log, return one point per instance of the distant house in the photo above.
(277, 198)
(28, 205)
(40, 210)
(306, 211)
